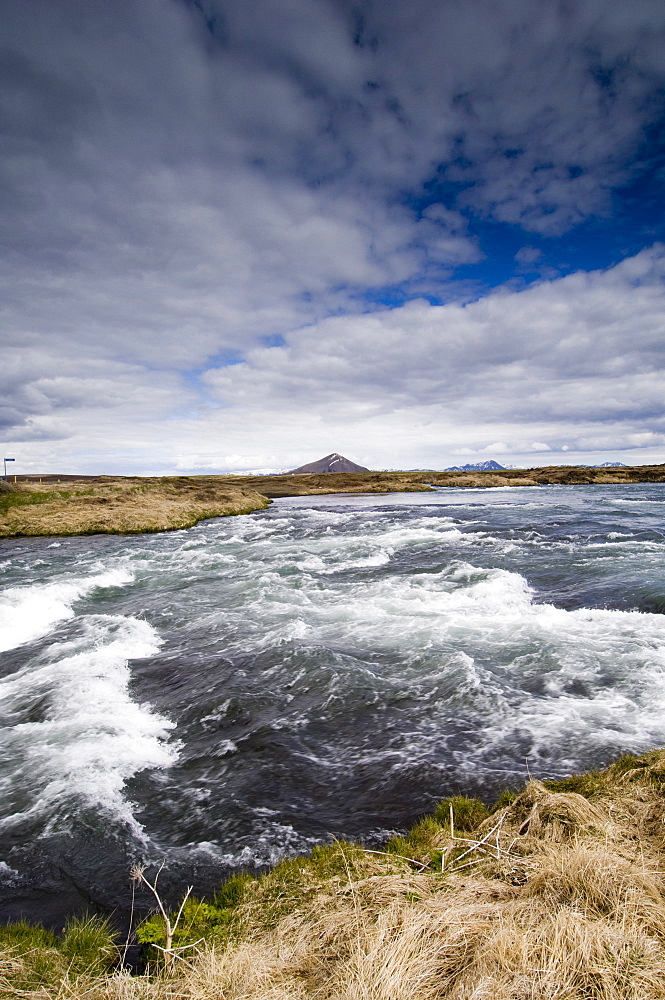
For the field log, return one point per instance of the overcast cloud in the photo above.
(240, 236)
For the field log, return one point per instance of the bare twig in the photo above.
(483, 842)
(390, 854)
(131, 921)
(138, 875)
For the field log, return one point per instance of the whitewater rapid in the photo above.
(72, 735)
(220, 696)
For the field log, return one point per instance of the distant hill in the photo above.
(603, 465)
(331, 463)
(491, 466)
(478, 467)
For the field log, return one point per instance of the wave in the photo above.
(28, 613)
(464, 642)
(76, 734)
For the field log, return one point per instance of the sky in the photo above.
(240, 236)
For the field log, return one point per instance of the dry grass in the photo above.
(120, 506)
(132, 505)
(558, 896)
(384, 482)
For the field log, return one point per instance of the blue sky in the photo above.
(242, 236)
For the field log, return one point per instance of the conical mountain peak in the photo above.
(331, 463)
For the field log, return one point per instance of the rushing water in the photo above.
(331, 666)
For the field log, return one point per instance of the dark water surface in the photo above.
(331, 666)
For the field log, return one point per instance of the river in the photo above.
(219, 697)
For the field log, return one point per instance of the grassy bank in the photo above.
(143, 504)
(121, 505)
(559, 892)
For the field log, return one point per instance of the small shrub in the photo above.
(216, 921)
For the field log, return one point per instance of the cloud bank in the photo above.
(238, 236)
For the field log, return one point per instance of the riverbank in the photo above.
(559, 891)
(118, 506)
(133, 505)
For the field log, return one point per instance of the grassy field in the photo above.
(121, 506)
(117, 505)
(556, 894)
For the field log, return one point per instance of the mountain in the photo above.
(331, 463)
(479, 467)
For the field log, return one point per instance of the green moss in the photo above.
(89, 944)
(281, 891)
(594, 783)
(439, 860)
(294, 880)
(651, 764)
(24, 936)
(420, 840)
(506, 798)
(400, 846)
(232, 891)
(588, 785)
(629, 762)
(216, 921)
(467, 813)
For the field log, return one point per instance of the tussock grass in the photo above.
(558, 894)
(35, 961)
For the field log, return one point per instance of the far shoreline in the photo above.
(66, 504)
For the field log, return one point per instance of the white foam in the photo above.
(28, 613)
(90, 736)
(262, 849)
(316, 564)
(467, 636)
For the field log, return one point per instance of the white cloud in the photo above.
(496, 448)
(183, 183)
(527, 256)
(573, 365)
(563, 356)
